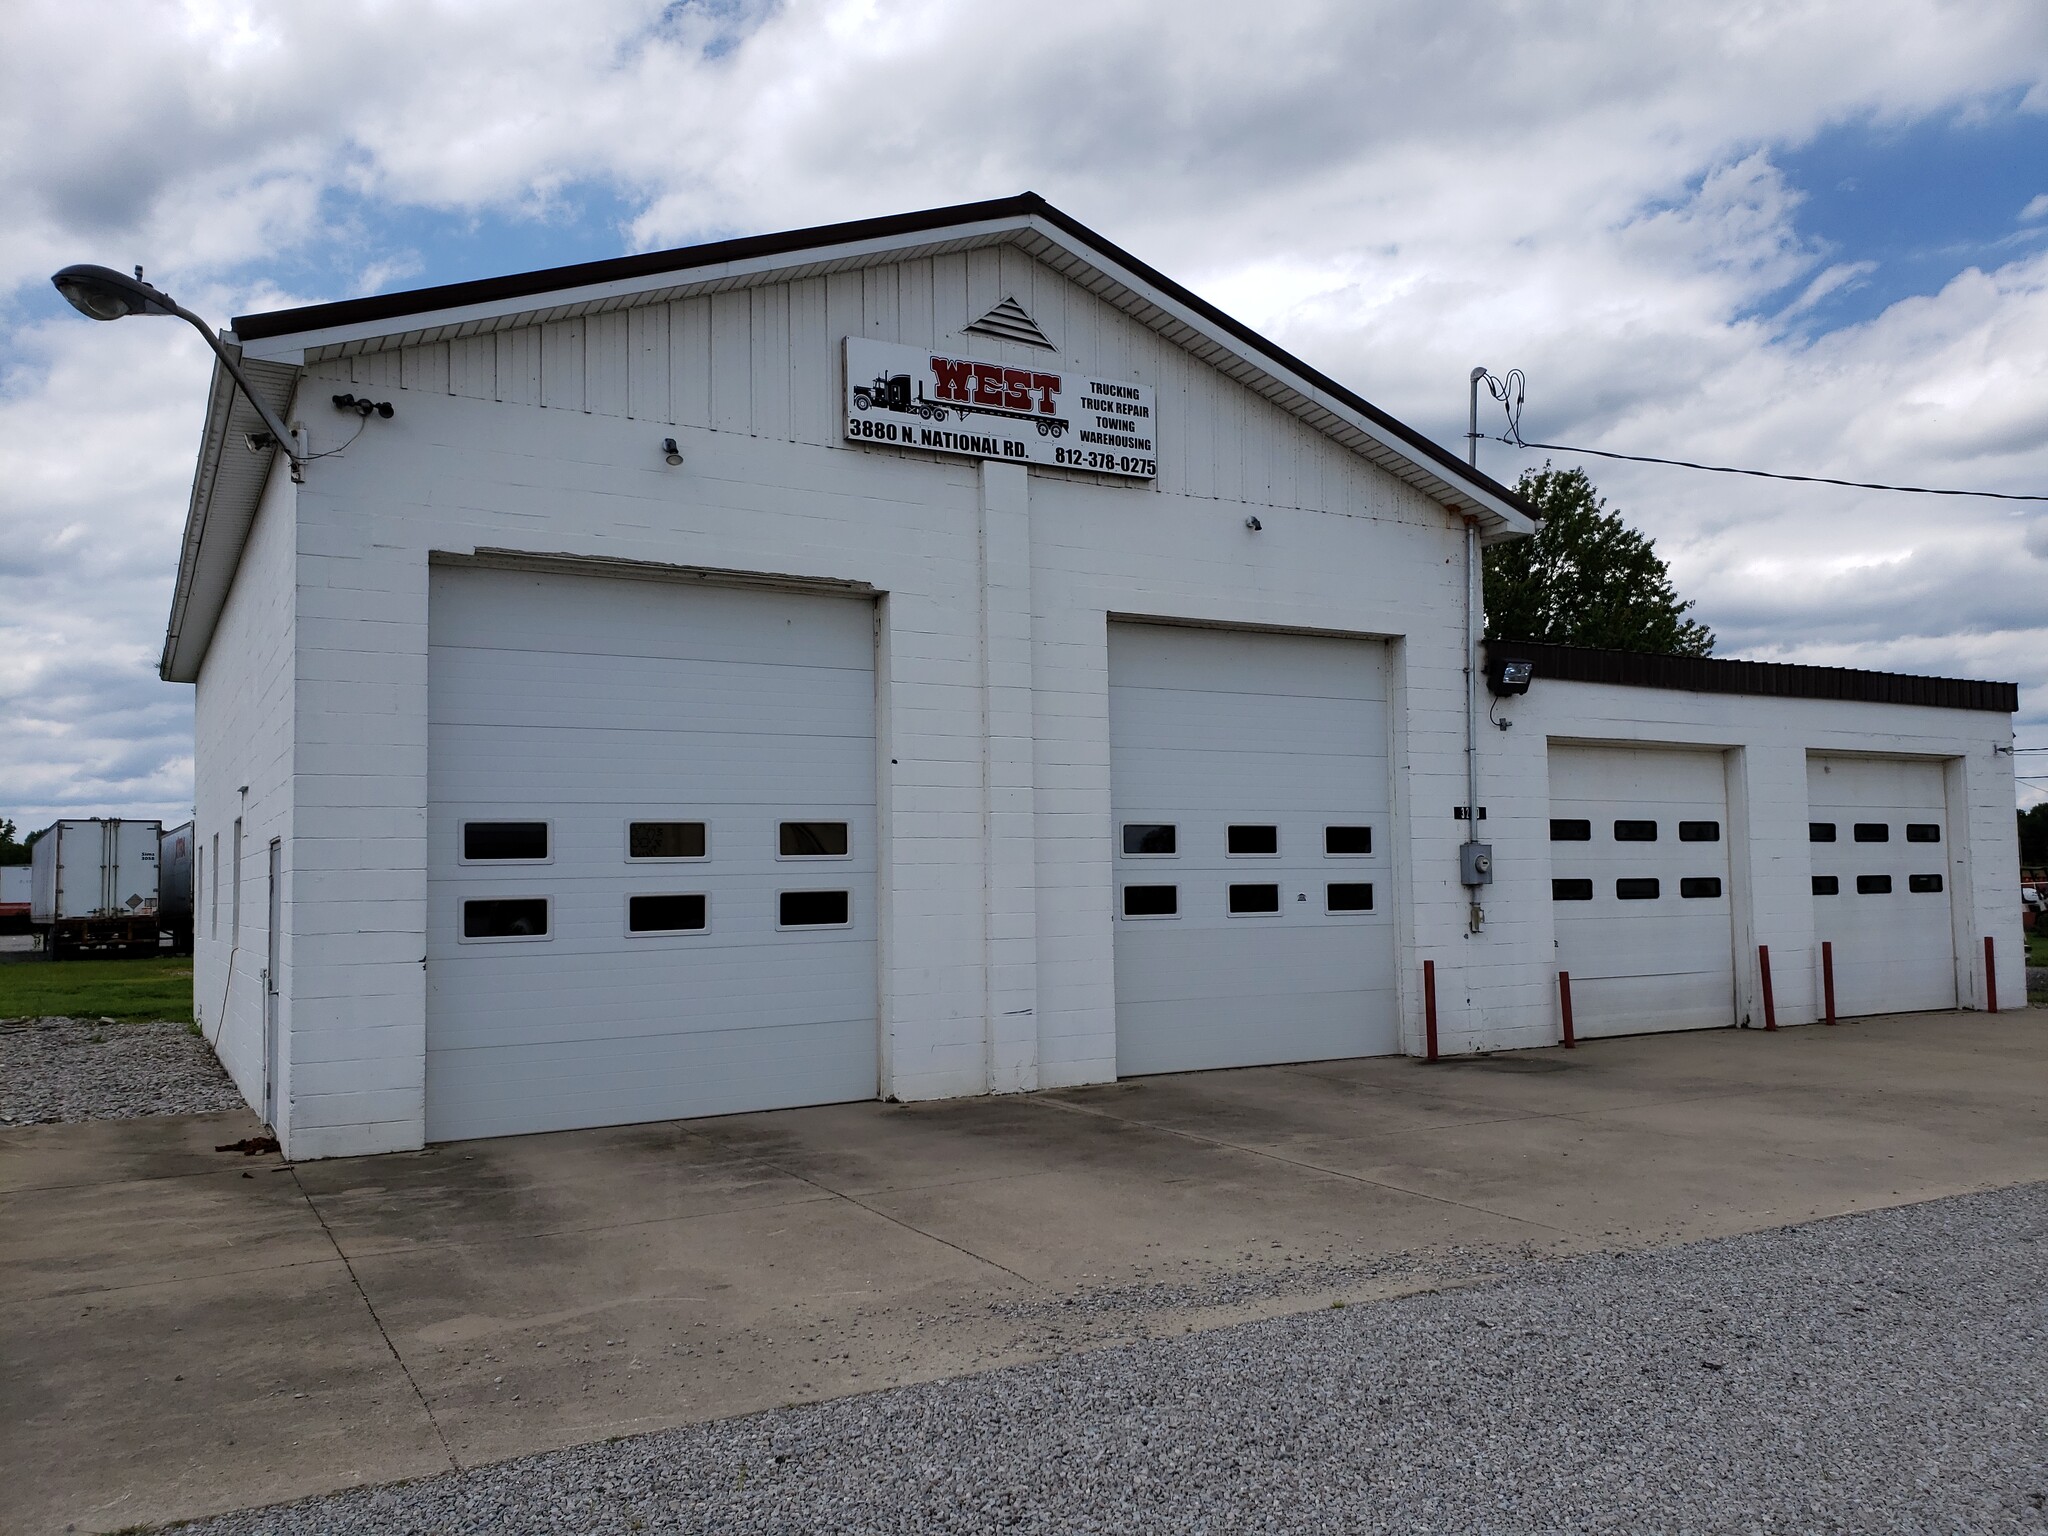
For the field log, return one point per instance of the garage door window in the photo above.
(1571, 890)
(1923, 832)
(1873, 885)
(1151, 839)
(667, 914)
(1827, 885)
(1151, 901)
(666, 840)
(813, 840)
(814, 909)
(1347, 842)
(1350, 897)
(1873, 832)
(1820, 831)
(1254, 900)
(505, 842)
(1638, 889)
(1568, 830)
(1695, 886)
(1923, 885)
(1699, 831)
(1635, 831)
(503, 918)
(1254, 842)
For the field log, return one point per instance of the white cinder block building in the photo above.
(940, 655)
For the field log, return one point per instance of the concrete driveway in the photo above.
(185, 1331)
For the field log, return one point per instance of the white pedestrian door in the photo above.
(651, 845)
(1878, 833)
(1639, 888)
(1253, 894)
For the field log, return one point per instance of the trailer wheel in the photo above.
(860, 402)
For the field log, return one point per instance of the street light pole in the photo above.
(101, 293)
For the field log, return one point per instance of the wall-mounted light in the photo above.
(1254, 524)
(671, 452)
(364, 407)
(1506, 677)
(100, 293)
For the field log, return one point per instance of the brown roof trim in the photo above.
(613, 269)
(1769, 679)
(519, 285)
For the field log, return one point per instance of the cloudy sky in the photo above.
(1800, 235)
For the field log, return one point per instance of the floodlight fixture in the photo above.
(101, 293)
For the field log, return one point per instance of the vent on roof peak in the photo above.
(1008, 322)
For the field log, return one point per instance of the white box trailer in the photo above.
(94, 885)
(14, 883)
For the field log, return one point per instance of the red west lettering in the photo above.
(1017, 389)
(988, 383)
(1047, 386)
(951, 374)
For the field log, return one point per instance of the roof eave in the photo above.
(273, 348)
(227, 491)
(1027, 220)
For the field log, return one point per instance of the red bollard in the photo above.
(1429, 1008)
(1564, 996)
(1763, 955)
(1827, 976)
(1990, 976)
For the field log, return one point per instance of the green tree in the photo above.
(12, 852)
(1586, 578)
(2034, 836)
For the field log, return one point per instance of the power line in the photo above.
(1766, 474)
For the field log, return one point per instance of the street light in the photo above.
(101, 293)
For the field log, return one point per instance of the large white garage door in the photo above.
(1639, 888)
(1878, 831)
(1249, 781)
(651, 846)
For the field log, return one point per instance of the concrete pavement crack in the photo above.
(1294, 1162)
(908, 1226)
(383, 1333)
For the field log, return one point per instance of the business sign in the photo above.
(918, 397)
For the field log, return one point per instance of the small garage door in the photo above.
(1249, 784)
(1639, 888)
(651, 845)
(1878, 833)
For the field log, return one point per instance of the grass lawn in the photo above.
(152, 987)
(2037, 948)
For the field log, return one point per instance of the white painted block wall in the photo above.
(997, 587)
(245, 723)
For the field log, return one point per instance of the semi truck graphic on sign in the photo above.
(970, 389)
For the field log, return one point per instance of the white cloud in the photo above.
(2037, 208)
(1588, 192)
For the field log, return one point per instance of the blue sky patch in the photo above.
(1922, 201)
(379, 247)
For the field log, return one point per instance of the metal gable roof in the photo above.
(289, 338)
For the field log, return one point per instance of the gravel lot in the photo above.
(1884, 1372)
(60, 1070)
